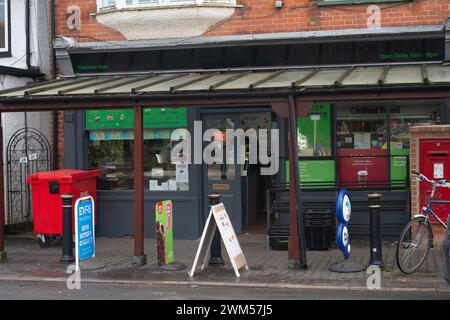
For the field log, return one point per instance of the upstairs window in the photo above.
(4, 26)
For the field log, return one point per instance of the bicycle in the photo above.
(416, 237)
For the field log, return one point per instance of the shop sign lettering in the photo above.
(374, 110)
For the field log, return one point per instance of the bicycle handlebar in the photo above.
(442, 183)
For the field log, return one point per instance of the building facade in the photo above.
(359, 145)
(25, 57)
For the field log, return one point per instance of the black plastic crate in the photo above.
(319, 238)
(278, 243)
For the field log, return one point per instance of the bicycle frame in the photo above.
(428, 209)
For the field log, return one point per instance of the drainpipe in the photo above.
(297, 238)
(27, 32)
(55, 113)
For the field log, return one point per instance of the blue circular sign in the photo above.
(342, 236)
(343, 207)
(343, 215)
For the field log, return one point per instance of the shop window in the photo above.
(361, 141)
(110, 148)
(4, 26)
(314, 147)
(402, 118)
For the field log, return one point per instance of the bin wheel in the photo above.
(44, 241)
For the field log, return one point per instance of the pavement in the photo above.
(26, 261)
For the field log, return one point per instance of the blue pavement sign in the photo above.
(343, 214)
(84, 229)
(343, 207)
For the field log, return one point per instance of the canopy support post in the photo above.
(139, 257)
(297, 240)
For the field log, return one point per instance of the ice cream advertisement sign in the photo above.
(164, 232)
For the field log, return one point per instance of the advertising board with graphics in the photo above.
(343, 214)
(219, 218)
(84, 230)
(164, 232)
(124, 118)
(314, 136)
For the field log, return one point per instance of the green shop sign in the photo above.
(315, 173)
(399, 166)
(124, 118)
(314, 132)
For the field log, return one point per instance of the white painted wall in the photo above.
(40, 56)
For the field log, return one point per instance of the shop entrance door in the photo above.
(223, 178)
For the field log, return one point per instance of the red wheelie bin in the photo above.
(47, 188)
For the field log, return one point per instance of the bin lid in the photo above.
(65, 175)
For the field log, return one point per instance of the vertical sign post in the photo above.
(164, 232)
(84, 230)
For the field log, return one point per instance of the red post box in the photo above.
(47, 188)
(434, 163)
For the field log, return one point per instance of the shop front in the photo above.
(360, 146)
(346, 133)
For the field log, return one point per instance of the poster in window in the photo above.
(182, 173)
(362, 140)
(315, 173)
(363, 168)
(314, 132)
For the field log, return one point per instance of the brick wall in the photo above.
(60, 144)
(416, 134)
(90, 30)
(261, 16)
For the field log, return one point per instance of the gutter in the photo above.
(32, 72)
(363, 34)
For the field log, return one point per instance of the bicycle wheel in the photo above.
(414, 244)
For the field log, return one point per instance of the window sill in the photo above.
(169, 21)
(107, 10)
(324, 3)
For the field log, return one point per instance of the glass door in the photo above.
(224, 177)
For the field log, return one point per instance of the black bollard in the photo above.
(215, 259)
(376, 256)
(67, 238)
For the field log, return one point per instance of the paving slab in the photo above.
(268, 268)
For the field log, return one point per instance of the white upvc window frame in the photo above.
(122, 4)
(5, 49)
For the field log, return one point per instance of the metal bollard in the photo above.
(215, 259)
(67, 238)
(376, 256)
